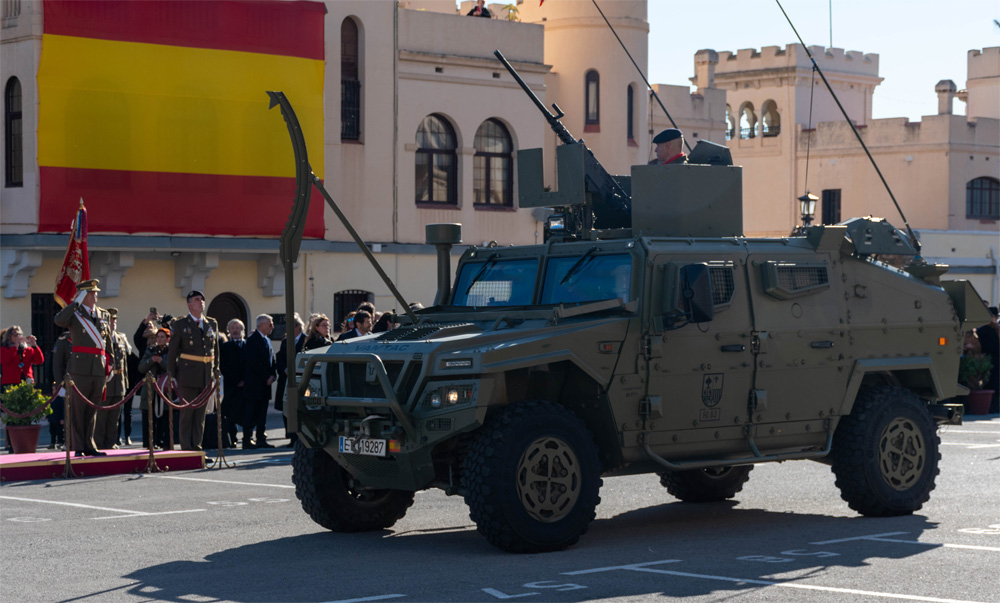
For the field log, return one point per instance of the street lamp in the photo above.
(807, 206)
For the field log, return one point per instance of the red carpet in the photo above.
(48, 465)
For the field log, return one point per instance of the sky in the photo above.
(919, 42)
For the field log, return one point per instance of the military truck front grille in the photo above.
(374, 466)
(438, 425)
(723, 284)
(355, 385)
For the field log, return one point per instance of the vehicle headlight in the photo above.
(435, 400)
(448, 396)
(452, 396)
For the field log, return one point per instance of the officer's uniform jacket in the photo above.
(92, 341)
(118, 382)
(193, 355)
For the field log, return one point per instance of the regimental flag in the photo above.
(156, 112)
(76, 264)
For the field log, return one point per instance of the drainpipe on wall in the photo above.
(395, 136)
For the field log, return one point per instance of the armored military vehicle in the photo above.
(646, 335)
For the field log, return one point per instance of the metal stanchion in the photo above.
(170, 416)
(68, 436)
(220, 456)
(151, 466)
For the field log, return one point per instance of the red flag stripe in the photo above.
(261, 26)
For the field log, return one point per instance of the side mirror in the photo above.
(696, 293)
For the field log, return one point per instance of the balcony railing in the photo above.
(746, 133)
(772, 130)
(350, 109)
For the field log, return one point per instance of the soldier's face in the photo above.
(114, 323)
(196, 305)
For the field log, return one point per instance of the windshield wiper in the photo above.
(486, 265)
(579, 264)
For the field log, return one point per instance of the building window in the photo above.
(730, 123)
(630, 112)
(345, 302)
(493, 181)
(982, 199)
(13, 149)
(748, 122)
(831, 206)
(350, 82)
(592, 93)
(772, 121)
(436, 162)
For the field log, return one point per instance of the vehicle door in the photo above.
(699, 375)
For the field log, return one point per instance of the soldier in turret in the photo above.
(669, 148)
(90, 330)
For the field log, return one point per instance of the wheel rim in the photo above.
(548, 479)
(902, 453)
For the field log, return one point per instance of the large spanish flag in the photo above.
(155, 112)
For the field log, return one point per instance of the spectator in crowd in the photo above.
(362, 326)
(106, 429)
(57, 420)
(479, 10)
(233, 366)
(367, 307)
(318, 333)
(384, 323)
(192, 361)
(282, 365)
(989, 339)
(91, 333)
(348, 323)
(17, 355)
(147, 330)
(416, 306)
(261, 371)
(155, 360)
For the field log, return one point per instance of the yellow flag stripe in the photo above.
(146, 107)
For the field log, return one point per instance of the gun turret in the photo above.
(605, 203)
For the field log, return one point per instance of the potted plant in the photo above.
(972, 370)
(24, 406)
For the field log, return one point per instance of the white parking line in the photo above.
(643, 567)
(882, 538)
(378, 598)
(218, 481)
(127, 512)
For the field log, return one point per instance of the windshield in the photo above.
(496, 283)
(587, 278)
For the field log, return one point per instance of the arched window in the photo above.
(771, 119)
(591, 96)
(350, 81)
(982, 199)
(730, 123)
(436, 161)
(493, 181)
(748, 121)
(12, 144)
(630, 112)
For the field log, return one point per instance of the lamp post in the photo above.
(807, 207)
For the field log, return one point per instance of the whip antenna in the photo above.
(641, 74)
(909, 231)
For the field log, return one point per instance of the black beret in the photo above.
(195, 293)
(667, 135)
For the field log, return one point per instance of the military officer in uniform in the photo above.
(669, 148)
(90, 330)
(193, 362)
(106, 432)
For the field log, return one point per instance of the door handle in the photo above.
(822, 345)
(739, 347)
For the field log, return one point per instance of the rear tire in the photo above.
(532, 478)
(706, 485)
(327, 495)
(885, 453)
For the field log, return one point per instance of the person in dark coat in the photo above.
(362, 326)
(261, 372)
(233, 366)
(318, 333)
(282, 363)
(669, 148)
(989, 339)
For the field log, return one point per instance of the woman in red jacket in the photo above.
(17, 355)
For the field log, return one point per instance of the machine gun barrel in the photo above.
(599, 181)
(553, 120)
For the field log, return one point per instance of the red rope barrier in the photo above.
(111, 407)
(30, 414)
(199, 400)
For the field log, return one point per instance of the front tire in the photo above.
(885, 453)
(532, 478)
(328, 496)
(706, 485)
